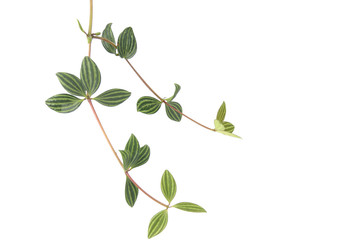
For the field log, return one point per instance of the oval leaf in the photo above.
(221, 112)
(168, 186)
(90, 75)
(177, 89)
(228, 127)
(71, 83)
(131, 192)
(127, 44)
(189, 207)
(112, 97)
(158, 223)
(172, 113)
(132, 145)
(108, 34)
(142, 157)
(148, 105)
(63, 103)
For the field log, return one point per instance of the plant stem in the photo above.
(90, 27)
(162, 100)
(116, 155)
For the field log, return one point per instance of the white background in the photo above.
(289, 72)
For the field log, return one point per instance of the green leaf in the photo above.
(131, 192)
(108, 34)
(177, 89)
(221, 112)
(112, 97)
(148, 105)
(63, 103)
(189, 207)
(168, 186)
(158, 223)
(218, 125)
(173, 114)
(90, 75)
(71, 84)
(126, 158)
(81, 28)
(142, 157)
(228, 134)
(132, 145)
(228, 127)
(127, 44)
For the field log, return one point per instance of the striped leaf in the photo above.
(218, 126)
(189, 207)
(113, 97)
(126, 159)
(71, 84)
(142, 157)
(131, 192)
(127, 44)
(221, 112)
(158, 223)
(108, 34)
(177, 89)
(168, 186)
(132, 145)
(228, 127)
(148, 105)
(173, 114)
(63, 103)
(90, 75)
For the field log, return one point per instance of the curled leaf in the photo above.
(108, 34)
(177, 89)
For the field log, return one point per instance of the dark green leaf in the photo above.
(158, 223)
(112, 97)
(63, 103)
(90, 75)
(177, 89)
(71, 83)
(148, 105)
(189, 207)
(168, 186)
(172, 113)
(142, 157)
(127, 44)
(132, 145)
(221, 112)
(131, 192)
(228, 127)
(126, 158)
(108, 34)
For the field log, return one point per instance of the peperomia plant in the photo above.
(133, 155)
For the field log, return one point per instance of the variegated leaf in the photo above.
(112, 97)
(168, 186)
(148, 105)
(108, 34)
(221, 114)
(228, 127)
(131, 192)
(173, 114)
(63, 103)
(127, 44)
(189, 207)
(177, 89)
(158, 223)
(142, 157)
(71, 84)
(90, 75)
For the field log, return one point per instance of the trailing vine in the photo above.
(133, 155)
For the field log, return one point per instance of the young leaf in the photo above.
(81, 28)
(112, 97)
(108, 34)
(71, 84)
(127, 44)
(189, 207)
(218, 126)
(148, 105)
(168, 186)
(158, 223)
(131, 192)
(177, 89)
(132, 145)
(221, 112)
(63, 103)
(171, 113)
(142, 157)
(90, 75)
(126, 158)
(228, 127)
(228, 134)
